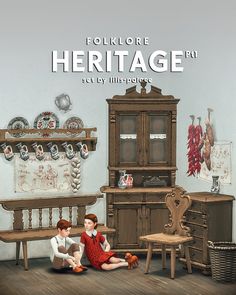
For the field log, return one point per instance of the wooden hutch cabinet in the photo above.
(142, 141)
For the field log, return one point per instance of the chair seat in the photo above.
(162, 238)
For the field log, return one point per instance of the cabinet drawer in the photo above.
(196, 206)
(195, 218)
(158, 197)
(196, 230)
(197, 243)
(131, 198)
(195, 255)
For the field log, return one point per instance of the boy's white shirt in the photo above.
(60, 241)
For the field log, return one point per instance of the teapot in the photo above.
(63, 102)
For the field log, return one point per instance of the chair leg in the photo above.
(172, 262)
(17, 252)
(25, 255)
(163, 247)
(188, 261)
(149, 256)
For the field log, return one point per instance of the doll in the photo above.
(99, 256)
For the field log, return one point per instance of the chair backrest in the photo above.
(178, 204)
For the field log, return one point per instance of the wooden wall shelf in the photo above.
(56, 136)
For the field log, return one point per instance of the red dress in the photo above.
(93, 250)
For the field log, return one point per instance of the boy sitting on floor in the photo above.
(65, 251)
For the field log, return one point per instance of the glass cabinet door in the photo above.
(158, 139)
(128, 125)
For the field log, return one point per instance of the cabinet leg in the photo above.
(149, 256)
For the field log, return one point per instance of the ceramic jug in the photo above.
(122, 180)
(129, 180)
(39, 153)
(24, 153)
(8, 152)
(69, 150)
(215, 188)
(53, 148)
(83, 150)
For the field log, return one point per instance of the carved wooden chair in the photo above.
(174, 234)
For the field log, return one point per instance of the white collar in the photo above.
(91, 232)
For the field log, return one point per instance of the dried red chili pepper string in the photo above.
(194, 153)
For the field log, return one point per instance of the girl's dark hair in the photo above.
(63, 224)
(92, 217)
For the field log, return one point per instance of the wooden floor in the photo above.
(41, 280)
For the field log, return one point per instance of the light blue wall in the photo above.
(30, 30)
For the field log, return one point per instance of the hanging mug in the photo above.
(69, 150)
(83, 149)
(8, 152)
(53, 148)
(39, 153)
(24, 153)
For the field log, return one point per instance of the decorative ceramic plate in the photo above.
(46, 120)
(73, 123)
(18, 123)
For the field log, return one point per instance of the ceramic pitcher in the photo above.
(122, 179)
(8, 152)
(24, 153)
(53, 148)
(69, 150)
(39, 153)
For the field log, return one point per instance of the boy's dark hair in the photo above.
(63, 224)
(92, 217)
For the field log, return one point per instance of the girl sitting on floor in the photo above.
(91, 241)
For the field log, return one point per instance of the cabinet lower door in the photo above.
(128, 226)
(156, 217)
